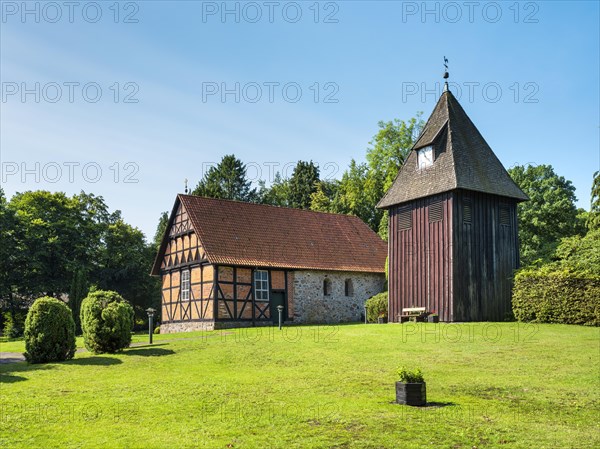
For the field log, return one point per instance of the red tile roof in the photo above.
(247, 234)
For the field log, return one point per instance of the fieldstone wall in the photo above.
(187, 326)
(311, 305)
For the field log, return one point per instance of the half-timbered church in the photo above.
(453, 240)
(228, 263)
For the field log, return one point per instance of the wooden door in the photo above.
(278, 299)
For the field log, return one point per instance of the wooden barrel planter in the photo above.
(411, 394)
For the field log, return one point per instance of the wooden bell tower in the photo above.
(453, 240)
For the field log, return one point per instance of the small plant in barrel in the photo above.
(49, 331)
(410, 387)
(106, 321)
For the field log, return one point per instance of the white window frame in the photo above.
(261, 285)
(422, 160)
(185, 285)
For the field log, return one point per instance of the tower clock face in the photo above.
(425, 157)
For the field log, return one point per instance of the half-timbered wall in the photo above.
(420, 256)
(185, 253)
(235, 296)
(199, 306)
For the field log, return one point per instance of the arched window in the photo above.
(327, 287)
(349, 288)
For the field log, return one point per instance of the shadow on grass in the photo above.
(440, 404)
(8, 372)
(94, 361)
(149, 351)
(145, 345)
(432, 404)
(9, 378)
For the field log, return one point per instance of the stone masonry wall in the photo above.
(187, 326)
(311, 305)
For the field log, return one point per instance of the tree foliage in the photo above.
(363, 184)
(106, 321)
(126, 263)
(580, 253)
(55, 245)
(11, 255)
(51, 245)
(163, 222)
(548, 216)
(303, 184)
(277, 194)
(49, 331)
(594, 215)
(227, 180)
(358, 191)
(390, 147)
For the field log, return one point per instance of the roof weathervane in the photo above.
(446, 74)
(186, 187)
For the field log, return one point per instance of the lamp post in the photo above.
(280, 310)
(150, 311)
(365, 307)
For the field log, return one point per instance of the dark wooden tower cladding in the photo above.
(453, 241)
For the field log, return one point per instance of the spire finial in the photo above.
(446, 74)
(186, 187)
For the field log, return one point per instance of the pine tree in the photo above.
(303, 184)
(226, 181)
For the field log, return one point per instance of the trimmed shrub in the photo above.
(157, 330)
(377, 306)
(551, 295)
(49, 331)
(106, 322)
(14, 324)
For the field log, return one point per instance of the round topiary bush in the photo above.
(106, 321)
(49, 331)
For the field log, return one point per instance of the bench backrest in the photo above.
(413, 310)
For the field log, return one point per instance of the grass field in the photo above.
(489, 385)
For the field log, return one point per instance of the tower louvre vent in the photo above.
(404, 219)
(436, 212)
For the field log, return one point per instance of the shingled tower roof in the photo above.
(463, 160)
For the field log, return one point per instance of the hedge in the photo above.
(550, 295)
(377, 306)
(106, 322)
(49, 331)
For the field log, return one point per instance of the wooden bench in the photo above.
(412, 314)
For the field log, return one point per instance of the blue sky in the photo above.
(332, 70)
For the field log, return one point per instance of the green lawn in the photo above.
(489, 385)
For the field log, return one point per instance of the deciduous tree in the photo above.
(548, 216)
